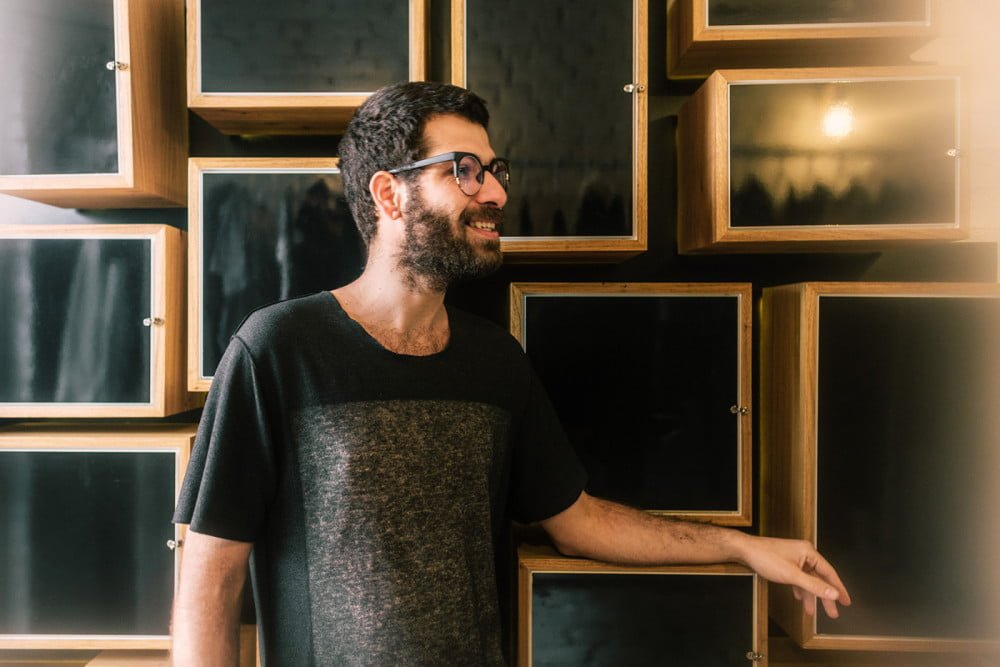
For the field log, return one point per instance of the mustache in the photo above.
(484, 214)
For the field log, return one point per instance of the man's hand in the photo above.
(798, 564)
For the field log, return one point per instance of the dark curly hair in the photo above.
(388, 131)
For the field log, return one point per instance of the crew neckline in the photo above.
(374, 342)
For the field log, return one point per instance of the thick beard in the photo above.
(435, 256)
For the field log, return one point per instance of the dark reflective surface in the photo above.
(314, 46)
(909, 453)
(267, 237)
(586, 620)
(557, 110)
(83, 542)
(57, 109)
(71, 330)
(643, 386)
(852, 153)
(778, 12)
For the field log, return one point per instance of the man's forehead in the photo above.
(450, 132)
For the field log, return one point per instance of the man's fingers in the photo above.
(824, 570)
(815, 586)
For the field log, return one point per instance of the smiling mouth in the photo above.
(484, 225)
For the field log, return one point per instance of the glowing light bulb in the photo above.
(839, 121)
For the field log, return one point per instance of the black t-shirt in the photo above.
(374, 485)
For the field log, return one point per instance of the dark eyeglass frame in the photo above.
(456, 157)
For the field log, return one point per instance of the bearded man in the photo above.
(369, 444)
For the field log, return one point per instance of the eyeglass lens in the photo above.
(470, 174)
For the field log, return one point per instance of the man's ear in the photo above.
(386, 193)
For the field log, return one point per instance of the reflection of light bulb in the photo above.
(839, 121)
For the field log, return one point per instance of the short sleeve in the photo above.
(230, 476)
(546, 475)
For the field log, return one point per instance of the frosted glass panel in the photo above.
(644, 387)
(558, 112)
(267, 237)
(785, 12)
(908, 485)
(309, 46)
(72, 326)
(83, 542)
(843, 153)
(57, 111)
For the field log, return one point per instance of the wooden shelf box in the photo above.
(822, 160)
(297, 67)
(262, 230)
(652, 384)
(879, 444)
(705, 35)
(86, 512)
(576, 134)
(92, 114)
(93, 321)
(573, 611)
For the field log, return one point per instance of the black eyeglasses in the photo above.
(468, 169)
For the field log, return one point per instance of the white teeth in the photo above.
(488, 226)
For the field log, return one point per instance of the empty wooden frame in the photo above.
(705, 35)
(821, 160)
(93, 112)
(93, 321)
(879, 445)
(573, 611)
(262, 230)
(652, 384)
(298, 67)
(89, 558)
(575, 135)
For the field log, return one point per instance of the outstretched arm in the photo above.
(607, 531)
(206, 611)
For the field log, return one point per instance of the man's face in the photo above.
(451, 236)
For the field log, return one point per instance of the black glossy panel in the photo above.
(57, 109)
(909, 451)
(557, 110)
(267, 237)
(851, 153)
(644, 386)
(307, 46)
(783, 12)
(586, 620)
(83, 542)
(72, 329)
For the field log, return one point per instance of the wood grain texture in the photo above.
(169, 393)
(790, 318)
(291, 114)
(196, 382)
(704, 188)
(743, 291)
(695, 49)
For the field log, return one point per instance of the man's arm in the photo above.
(607, 531)
(207, 607)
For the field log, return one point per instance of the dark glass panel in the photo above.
(303, 46)
(557, 110)
(72, 328)
(644, 386)
(586, 620)
(57, 110)
(908, 456)
(784, 12)
(843, 153)
(83, 542)
(267, 237)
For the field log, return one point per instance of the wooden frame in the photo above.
(789, 441)
(167, 392)
(197, 380)
(704, 224)
(177, 439)
(152, 123)
(742, 515)
(695, 49)
(587, 248)
(544, 560)
(288, 113)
